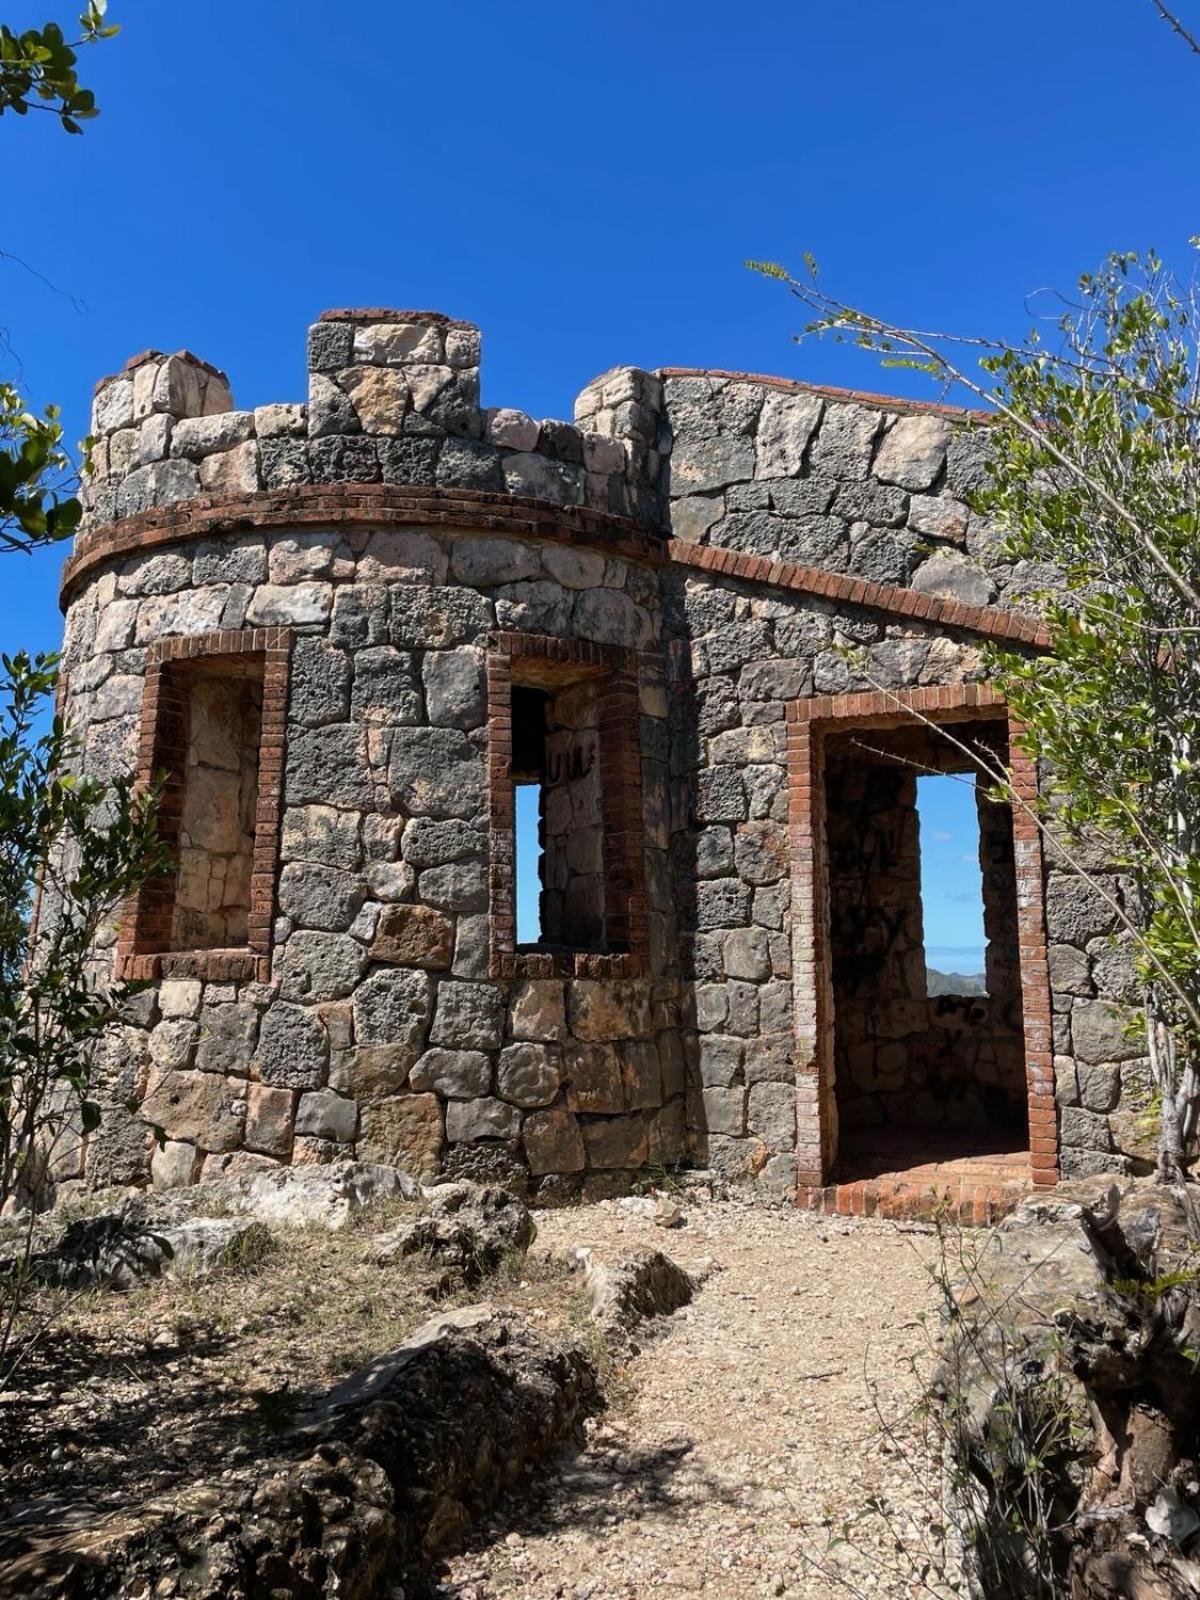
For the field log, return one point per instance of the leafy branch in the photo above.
(38, 69)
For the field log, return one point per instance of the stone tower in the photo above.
(352, 631)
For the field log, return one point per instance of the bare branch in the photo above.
(1176, 26)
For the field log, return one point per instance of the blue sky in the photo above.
(584, 181)
(951, 885)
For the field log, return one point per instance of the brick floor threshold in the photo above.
(903, 1179)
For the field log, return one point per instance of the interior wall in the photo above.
(903, 1057)
(220, 796)
(572, 824)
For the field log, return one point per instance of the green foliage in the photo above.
(80, 847)
(37, 69)
(35, 473)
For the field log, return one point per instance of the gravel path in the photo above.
(747, 1422)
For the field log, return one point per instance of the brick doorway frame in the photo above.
(809, 722)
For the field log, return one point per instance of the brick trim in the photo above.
(829, 391)
(142, 951)
(808, 721)
(437, 319)
(372, 505)
(619, 748)
(993, 622)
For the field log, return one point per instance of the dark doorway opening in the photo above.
(922, 1078)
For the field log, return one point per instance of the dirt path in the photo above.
(748, 1422)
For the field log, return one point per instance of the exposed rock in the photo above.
(1076, 1322)
(634, 1288)
(119, 1249)
(388, 1469)
(467, 1232)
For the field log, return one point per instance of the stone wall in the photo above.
(712, 548)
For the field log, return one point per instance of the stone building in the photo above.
(716, 623)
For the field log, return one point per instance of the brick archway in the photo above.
(809, 724)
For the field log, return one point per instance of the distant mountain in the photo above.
(954, 982)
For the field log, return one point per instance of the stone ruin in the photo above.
(350, 631)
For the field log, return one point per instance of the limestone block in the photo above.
(380, 396)
(198, 1107)
(529, 1074)
(786, 425)
(1099, 1086)
(480, 560)
(393, 1007)
(469, 1016)
(537, 607)
(115, 624)
(329, 766)
(594, 1079)
(485, 1118)
(601, 1011)
(270, 1118)
(320, 897)
(321, 833)
(1098, 1033)
(913, 451)
(414, 936)
(428, 843)
(435, 617)
(281, 421)
(124, 452)
(436, 772)
(746, 954)
(720, 1060)
(553, 1142)
(609, 616)
(472, 946)
(458, 886)
(616, 1142)
(939, 517)
(173, 1165)
(172, 1044)
(454, 1074)
(725, 1111)
(404, 1131)
(226, 1038)
(397, 344)
(463, 347)
(537, 1011)
(323, 1114)
(293, 1048)
(454, 687)
(113, 406)
(1075, 912)
(290, 605)
(574, 569)
(1085, 1130)
(1068, 969)
(385, 687)
(391, 881)
(771, 1114)
(464, 464)
(194, 437)
(160, 483)
(949, 576)
(536, 477)
(845, 440)
(314, 965)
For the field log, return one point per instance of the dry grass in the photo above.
(132, 1394)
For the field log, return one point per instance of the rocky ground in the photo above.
(735, 1440)
(745, 1432)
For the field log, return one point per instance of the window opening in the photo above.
(558, 815)
(951, 885)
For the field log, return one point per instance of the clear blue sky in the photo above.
(585, 181)
(951, 883)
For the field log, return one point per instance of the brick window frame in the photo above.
(622, 820)
(808, 723)
(143, 940)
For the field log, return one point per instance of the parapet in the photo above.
(393, 397)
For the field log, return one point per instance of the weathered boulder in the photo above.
(1072, 1346)
(385, 1471)
(467, 1231)
(119, 1249)
(634, 1288)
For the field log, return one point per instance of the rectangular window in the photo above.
(568, 876)
(212, 733)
